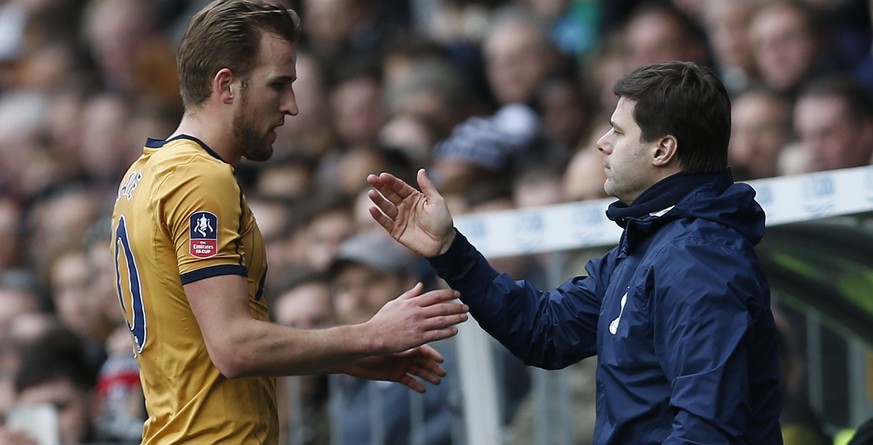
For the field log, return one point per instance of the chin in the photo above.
(260, 155)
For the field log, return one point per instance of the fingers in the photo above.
(438, 296)
(432, 374)
(412, 383)
(426, 366)
(383, 205)
(380, 218)
(390, 187)
(430, 354)
(442, 313)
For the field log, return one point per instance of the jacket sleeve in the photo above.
(706, 299)
(550, 329)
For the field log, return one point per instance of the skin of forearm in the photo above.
(263, 348)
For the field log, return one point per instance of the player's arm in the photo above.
(240, 345)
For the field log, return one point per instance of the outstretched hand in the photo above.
(420, 220)
(402, 327)
(415, 318)
(404, 367)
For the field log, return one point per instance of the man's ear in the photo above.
(222, 85)
(665, 151)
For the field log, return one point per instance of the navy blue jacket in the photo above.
(678, 315)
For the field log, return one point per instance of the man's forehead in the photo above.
(623, 110)
(275, 50)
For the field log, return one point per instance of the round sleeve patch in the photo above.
(204, 237)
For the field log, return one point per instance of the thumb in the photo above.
(427, 186)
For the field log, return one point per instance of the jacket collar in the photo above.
(660, 198)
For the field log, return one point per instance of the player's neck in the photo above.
(212, 133)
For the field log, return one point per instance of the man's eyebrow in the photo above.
(614, 125)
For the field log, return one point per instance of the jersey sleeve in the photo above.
(202, 210)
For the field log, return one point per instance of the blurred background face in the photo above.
(831, 138)
(357, 110)
(77, 306)
(728, 28)
(330, 23)
(516, 61)
(759, 130)
(104, 132)
(324, 235)
(783, 46)
(658, 36)
(359, 291)
(307, 306)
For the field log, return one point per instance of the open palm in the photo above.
(420, 220)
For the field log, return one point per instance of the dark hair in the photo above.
(857, 100)
(56, 354)
(687, 101)
(226, 34)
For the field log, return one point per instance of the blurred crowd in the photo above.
(501, 100)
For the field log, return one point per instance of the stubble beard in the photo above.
(257, 148)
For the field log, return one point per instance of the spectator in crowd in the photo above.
(303, 301)
(324, 225)
(106, 149)
(272, 215)
(355, 101)
(519, 56)
(289, 177)
(116, 31)
(788, 45)
(28, 167)
(83, 311)
(538, 185)
(54, 369)
(727, 27)
(366, 269)
(118, 399)
(760, 128)
(20, 292)
(600, 71)
(412, 134)
(833, 118)
(566, 115)
(659, 32)
(339, 29)
(63, 128)
(354, 165)
(430, 89)
(58, 218)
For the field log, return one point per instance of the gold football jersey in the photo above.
(180, 217)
